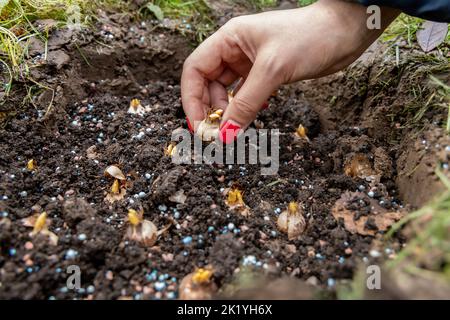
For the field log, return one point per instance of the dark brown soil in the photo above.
(90, 109)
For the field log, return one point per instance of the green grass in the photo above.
(17, 19)
(426, 255)
(195, 15)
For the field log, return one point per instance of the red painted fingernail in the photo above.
(265, 105)
(189, 125)
(229, 132)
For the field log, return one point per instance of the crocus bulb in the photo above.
(208, 129)
(171, 149)
(134, 217)
(40, 223)
(235, 202)
(291, 221)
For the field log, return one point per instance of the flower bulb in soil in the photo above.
(198, 285)
(235, 202)
(291, 221)
(208, 129)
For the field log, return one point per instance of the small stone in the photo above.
(187, 240)
(348, 251)
(159, 286)
(90, 289)
(142, 194)
(82, 237)
(23, 194)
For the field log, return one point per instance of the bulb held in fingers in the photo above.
(208, 129)
(301, 132)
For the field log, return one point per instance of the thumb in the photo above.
(244, 107)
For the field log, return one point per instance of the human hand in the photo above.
(270, 49)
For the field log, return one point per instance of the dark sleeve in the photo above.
(434, 10)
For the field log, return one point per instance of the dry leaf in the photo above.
(145, 232)
(208, 129)
(381, 218)
(431, 35)
(117, 191)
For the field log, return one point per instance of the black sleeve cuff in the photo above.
(434, 10)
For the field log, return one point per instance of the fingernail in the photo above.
(265, 105)
(189, 125)
(229, 132)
